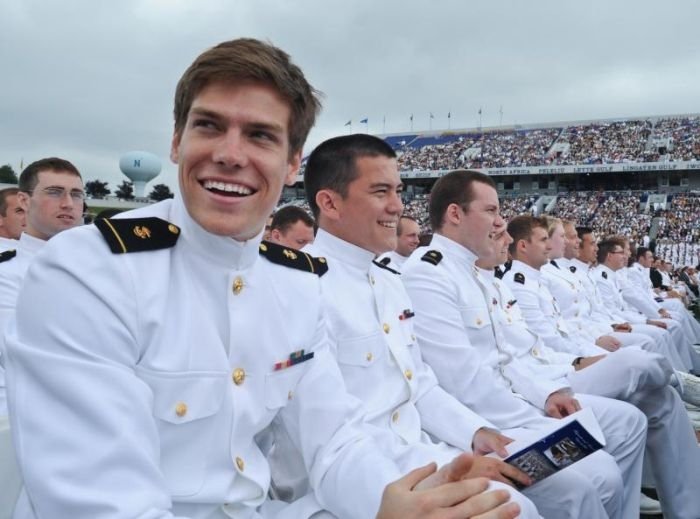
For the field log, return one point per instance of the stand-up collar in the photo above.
(456, 251)
(486, 273)
(29, 244)
(580, 265)
(607, 270)
(221, 250)
(328, 244)
(526, 269)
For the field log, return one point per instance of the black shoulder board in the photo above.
(572, 268)
(498, 272)
(432, 256)
(605, 275)
(384, 265)
(7, 255)
(137, 234)
(293, 258)
(519, 277)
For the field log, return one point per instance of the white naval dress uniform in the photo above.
(370, 324)
(139, 390)
(635, 376)
(7, 244)
(12, 274)
(610, 286)
(458, 338)
(644, 298)
(395, 259)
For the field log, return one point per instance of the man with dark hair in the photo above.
(628, 374)
(370, 316)
(466, 349)
(12, 218)
(140, 390)
(408, 238)
(292, 227)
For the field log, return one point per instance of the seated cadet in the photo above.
(628, 374)
(12, 218)
(407, 240)
(640, 292)
(169, 337)
(611, 282)
(463, 345)
(292, 227)
(353, 187)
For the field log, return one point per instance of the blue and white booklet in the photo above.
(551, 449)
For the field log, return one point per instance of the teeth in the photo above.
(390, 225)
(229, 188)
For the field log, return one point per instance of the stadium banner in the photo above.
(627, 167)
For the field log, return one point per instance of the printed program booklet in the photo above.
(553, 448)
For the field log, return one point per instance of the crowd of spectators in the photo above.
(630, 141)
(680, 222)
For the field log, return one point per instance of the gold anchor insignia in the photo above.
(263, 247)
(173, 229)
(142, 231)
(289, 254)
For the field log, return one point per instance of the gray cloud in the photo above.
(91, 80)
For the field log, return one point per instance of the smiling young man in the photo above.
(292, 227)
(170, 336)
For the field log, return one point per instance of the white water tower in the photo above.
(141, 167)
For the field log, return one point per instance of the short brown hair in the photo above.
(247, 59)
(30, 176)
(521, 227)
(454, 188)
(287, 216)
(4, 195)
(552, 222)
(399, 225)
(607, 245)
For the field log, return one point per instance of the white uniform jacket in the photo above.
(638, 293)
(395, 260)
(371, 322)
(457, 336)
(542, 313)
(611, 294)
(601, 311)
(137, 382)
(7, 244)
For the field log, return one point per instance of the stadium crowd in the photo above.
(590, 143)
(202, 358)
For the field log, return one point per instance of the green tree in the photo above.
(96, 189)
(125, 190)
(160, 192)
(7, 175)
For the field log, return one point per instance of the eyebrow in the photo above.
(259, 125)
(386, 185)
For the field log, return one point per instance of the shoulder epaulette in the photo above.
(293, 258)
(519, 277)
(432, 256)
(572, 268)
(382, 264)
(554, 263)
(605, 275)
(137, 234)
(7, 255)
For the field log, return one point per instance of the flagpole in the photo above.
(449, 114)
(500, 118)
(430, 122)
(384, 125)
(411, 122)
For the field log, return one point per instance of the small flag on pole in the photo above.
(363, 120)
(449, 114)
(348, 123)
(432, 116)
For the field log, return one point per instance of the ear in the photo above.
(453, 214)
(23, 200)
(275, 235)
(521, 247)
(293, 169)
(175, 147)
(329, 204)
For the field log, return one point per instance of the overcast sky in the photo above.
(89, 80)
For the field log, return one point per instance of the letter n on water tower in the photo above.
(137, 163)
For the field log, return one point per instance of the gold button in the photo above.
(395, 417)
(478, 321)
(181, 409)
(409, 374)
(386, 328)
(535, 352)
(237, 285)
(263, 247)
(369, 356)
(240, 463)
(290, 394)
(238, 376)
(173, 229)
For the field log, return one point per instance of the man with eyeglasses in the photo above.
(51, 194)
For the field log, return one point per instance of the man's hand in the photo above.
(664, 313)
(487, 440)
(608, 343)
(622, 327)
(497, 470)
(561, 404)
(587, 361)
(420, 495)
(673, 294)
(659, 324)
